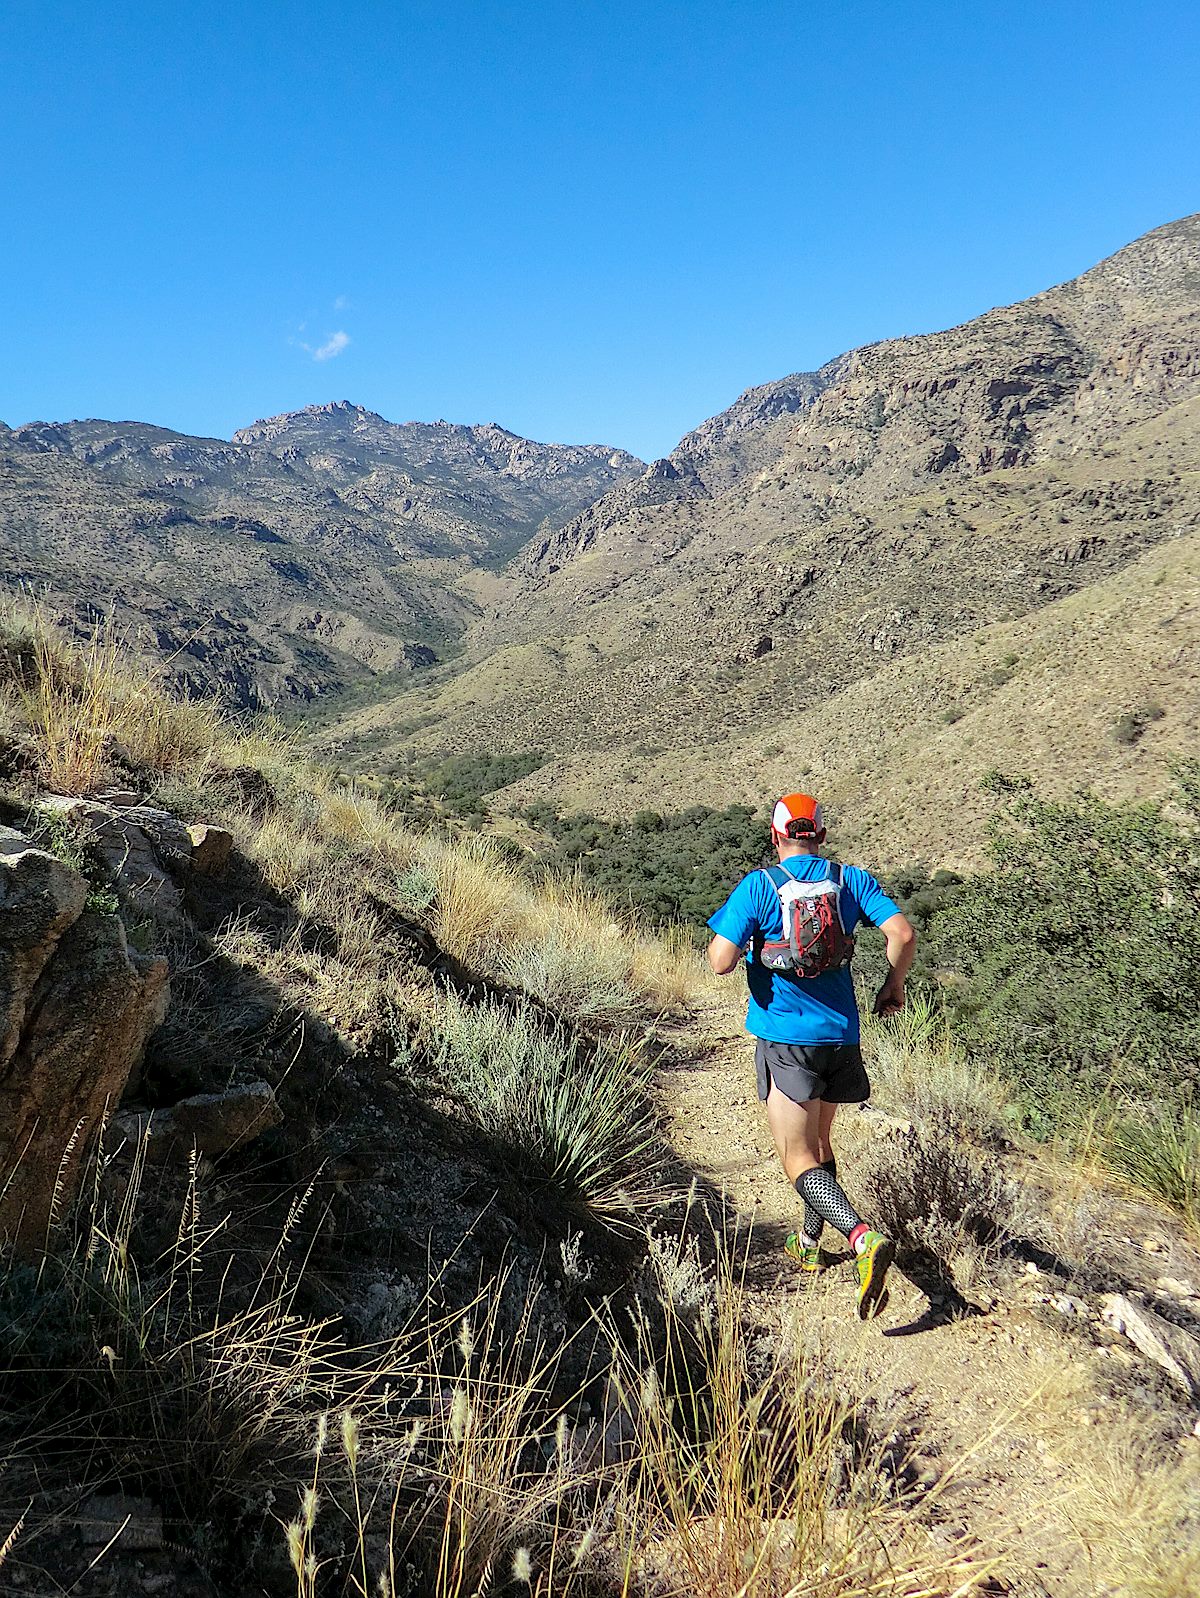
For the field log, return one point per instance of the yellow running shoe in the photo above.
(872, 1267)
(808, 1258)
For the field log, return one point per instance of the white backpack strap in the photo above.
(835, 871)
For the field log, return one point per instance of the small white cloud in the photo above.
(342, 303)
(333, 345)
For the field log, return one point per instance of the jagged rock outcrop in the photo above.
(212, 1123)
(77, 1006)
(1166, 1345)
(146, 851)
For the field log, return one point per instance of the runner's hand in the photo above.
(890, 998)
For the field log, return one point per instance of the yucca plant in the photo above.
(1156, 1147)
(579, 1117)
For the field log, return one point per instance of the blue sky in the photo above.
(590, 222)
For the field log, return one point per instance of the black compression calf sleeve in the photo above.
(822, 1194)
(814, 1224)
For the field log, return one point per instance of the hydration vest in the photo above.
(814, 939)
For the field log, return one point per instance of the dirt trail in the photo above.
(1038, 1419)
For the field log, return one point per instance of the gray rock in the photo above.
(40, 898)
(129, 1523)
(213, 1123)
(1169, 1347)
(142, 847)
(1176, 1288)
(76, 1009)
(119, 798)
(1067, 1304)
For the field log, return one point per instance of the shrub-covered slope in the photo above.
(468, 1309)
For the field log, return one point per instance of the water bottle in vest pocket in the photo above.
(814, 937)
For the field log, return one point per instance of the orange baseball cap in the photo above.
(797, 815)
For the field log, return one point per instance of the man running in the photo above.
(804, 1015)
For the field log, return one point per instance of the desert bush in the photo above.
(940, 1199)
(1075, 954)
(589, 982)
(578, 1119)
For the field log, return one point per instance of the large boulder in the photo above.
(141, 847)
(211, 1123)
(76, 1008)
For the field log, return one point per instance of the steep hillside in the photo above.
(312, 551)
(380, 1219)
(832, 534)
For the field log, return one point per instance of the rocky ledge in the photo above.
(78, 1004)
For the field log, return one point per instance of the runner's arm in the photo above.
(723, 956)
(901, 947)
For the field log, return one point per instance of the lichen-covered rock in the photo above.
(144, 849)
(40, 897)
(76, 1009)
(213, 1123)
(211, 848)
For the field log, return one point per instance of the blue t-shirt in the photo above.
(784, 1008)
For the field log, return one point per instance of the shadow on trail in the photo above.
(769, 1271)
(945, 1303)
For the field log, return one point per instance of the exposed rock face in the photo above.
(1168, 1346)
(213, 1123)
(890, 516)
(76, 1008)
(132, 854)
(146, 850)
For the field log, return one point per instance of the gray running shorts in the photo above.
(831, 1071)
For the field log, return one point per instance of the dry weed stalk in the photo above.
(753, 1478)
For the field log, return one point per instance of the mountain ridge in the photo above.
(485, 592)
(905, 498)
(314, 551)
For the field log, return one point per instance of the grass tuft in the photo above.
(1156, 1148)
(921, 1074)
(578, 1118)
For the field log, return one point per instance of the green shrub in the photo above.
(675, 867)
(1073, 961)
(578, 1119)
(54, 833)
(1131, 724)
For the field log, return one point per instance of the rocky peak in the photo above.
(333, 416)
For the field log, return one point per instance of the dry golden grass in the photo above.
(82, 703)
(556, 940)
(1126, 1503)
(747, 1481)
(918, 1072)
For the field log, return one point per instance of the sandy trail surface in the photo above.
(1031, 1424)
